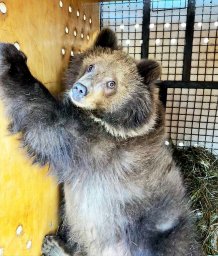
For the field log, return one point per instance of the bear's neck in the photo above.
(124, 132)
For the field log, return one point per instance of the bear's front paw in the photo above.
(51, 247)
(10, 58)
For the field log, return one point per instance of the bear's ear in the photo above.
(150, 70)
(106, 39)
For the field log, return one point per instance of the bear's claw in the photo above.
(50, 247)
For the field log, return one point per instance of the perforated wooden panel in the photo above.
(48, 32)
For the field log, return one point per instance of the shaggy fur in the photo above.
(124, 195)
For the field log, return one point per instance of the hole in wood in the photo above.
(17, 45)
(19, 230)
(66, 30)
(61, 4)
(29, 244)
(3, 8)
(63, 51)
(1, 251)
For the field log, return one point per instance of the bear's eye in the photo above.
(90, 68)
(111, 84)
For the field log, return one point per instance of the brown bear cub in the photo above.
(104, 141)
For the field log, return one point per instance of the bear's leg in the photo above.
(53, 246)
(34, 112)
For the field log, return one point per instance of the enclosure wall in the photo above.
(48, 32)
(183, 36)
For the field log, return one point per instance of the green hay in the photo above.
(200, 170)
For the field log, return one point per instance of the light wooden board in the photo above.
(28, 196)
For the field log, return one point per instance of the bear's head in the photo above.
(115, 89)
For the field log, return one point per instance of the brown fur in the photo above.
(124, 195)
(137, 173)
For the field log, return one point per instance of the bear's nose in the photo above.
(79, 91)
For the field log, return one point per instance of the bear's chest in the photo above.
(94, 211)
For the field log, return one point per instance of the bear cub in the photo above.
(104, 140)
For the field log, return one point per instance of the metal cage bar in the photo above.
(182, 35)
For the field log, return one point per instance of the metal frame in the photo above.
(187, 57)
(188, 41)
(145, 28)
(188, 103)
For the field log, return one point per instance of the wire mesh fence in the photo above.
(205, 42)
(183, 36)
(125, 18)
(167, 36)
